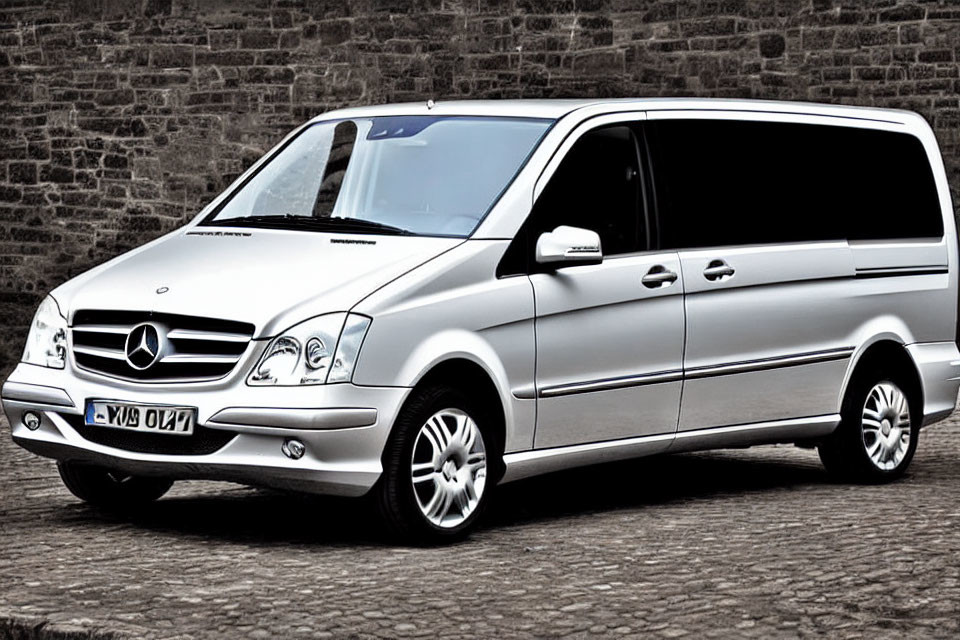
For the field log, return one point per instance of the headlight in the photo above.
(322, 349)
(47, 340)
(348, 348)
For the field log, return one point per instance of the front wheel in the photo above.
(878, 432)
(435, 481)
(110, 489)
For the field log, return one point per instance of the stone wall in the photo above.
(119, 120)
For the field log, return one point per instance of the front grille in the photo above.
(202, 441)
(191, 349)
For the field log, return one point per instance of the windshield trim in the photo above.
(208, 220)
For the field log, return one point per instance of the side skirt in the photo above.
(524, 464)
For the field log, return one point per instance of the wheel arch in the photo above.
(891, 351)
(470, 376)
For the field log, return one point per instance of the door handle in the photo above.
(658, 276)
(718, 270)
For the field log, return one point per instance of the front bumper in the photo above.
(344, 428)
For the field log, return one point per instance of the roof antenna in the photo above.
(430, 104)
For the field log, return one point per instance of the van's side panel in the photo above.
(914, 284)
(770, 342)
(778, 338)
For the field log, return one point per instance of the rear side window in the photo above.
(726, 182)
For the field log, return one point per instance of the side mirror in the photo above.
(569, 246)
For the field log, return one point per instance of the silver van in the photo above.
(418, 302)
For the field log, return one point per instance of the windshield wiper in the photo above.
(312, 223)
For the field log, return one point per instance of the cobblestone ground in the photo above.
(751, 543)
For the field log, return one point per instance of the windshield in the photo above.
(411, 175)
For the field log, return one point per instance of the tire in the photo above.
(110, 489)
(453, 462)
(876, 439)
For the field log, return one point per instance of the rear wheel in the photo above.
(435, 478)
(878, 432)
(111, 489)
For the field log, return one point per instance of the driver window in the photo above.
(597, 186)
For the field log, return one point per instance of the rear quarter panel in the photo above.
(915, 308)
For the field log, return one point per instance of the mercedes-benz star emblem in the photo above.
(143, 346)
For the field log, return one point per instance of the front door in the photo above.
(609, 336)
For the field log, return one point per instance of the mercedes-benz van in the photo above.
(417, 302)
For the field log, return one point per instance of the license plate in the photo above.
(147, 418)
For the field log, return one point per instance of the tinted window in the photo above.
(724, 182)
(597, 186)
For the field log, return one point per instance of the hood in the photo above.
(271, 278)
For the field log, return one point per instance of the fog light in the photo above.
(293, 449)
(31, 420)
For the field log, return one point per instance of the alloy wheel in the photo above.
(449, 468)
(885, 426)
